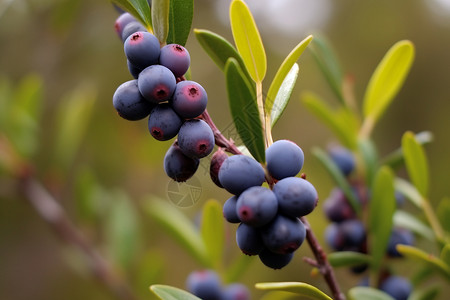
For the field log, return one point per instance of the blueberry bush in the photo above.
(378, 216)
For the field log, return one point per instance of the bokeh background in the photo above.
(72, 47)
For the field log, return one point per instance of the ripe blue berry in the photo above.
(142, 49)
(283, 235)
(176, 58)
(235, 291)
(297, 197)
(284, 159)
(204, 284)
(257, 206)
(129, 103)
(131, 28)
(399, 236)
(248, 239)
(156, 83)
(121, 21)
(189, 99)
(134, 71)
(178, 166)
(337, 207)
(163, 122)
(347, 235)
(343, 158)
(275, 260)
(334, 237)
(229, 210)
(397, 287)
(217, 160)
(196, 138)
(240, 172)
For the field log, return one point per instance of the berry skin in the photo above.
(275, 260)
(217, 160)
(343, 158)
(178, 166)
(229, 210)
(399, 236)
(123, 20)
(196, 138)
(176, 58)
(256, 206)
(235, 291)
(163, 122)
(131, 28)
(348, 235)
(156, 83)
(134, 71)
(142, 49)
(249, 240)
(189, 99)
(397, 287)
(283, 235)
(240, 172)
(337, 208)
(129, 103)
(204, 284)
(334, 237)
(284, 159)
(297, 197)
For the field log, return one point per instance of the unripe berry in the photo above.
(164, 123)
(284, 159)
(129, 103)
(196, 138)
(176, 58)
(156, 83)
(189, 99)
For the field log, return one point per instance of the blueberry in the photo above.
(131, 28)
(275, 260)
(239, 172)
(123, 20)
(178, 166)
(163, 122)
(176, 58)
(129, 103)
(337, 207)
(248, 239)
(354, 233)
(235, 291)
(217, 160)
(283, 235)
(156, 83)
(296, 196)
(229, 210)
(334, 237)
(284, 159)
(343, 158)
(397, 287)
(134, 71)
(399, 236)
(196, 138)
(204, 284)
(257, 206)
(189, 99)
(142, 49)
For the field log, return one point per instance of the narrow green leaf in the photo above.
(244, 110)
(237, 268)
(348, 259)
(409, 191)
(160, 19)
(416, 162)
(429, 259)
(180, 21)
(301, 288)
(247, 39)
(406, 220)
(445, 254)
(370, 157)
(422, 275)
(138, 8)
(283, 96)
(166, 292)
(180, 228)
(367, 293)
(428, 293)
(282, 73)
(381, 212)
(387, 79)
(443, 211)
(213, 230)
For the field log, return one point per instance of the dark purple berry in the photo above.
(229, 210)
(217, 160)
(343, 158)
(204, 284)
(334, 237)
(337, 207)
(275, 260)
(189, 99)
(283, 235)
(397, 287)
(399, 236)
(178, 166)
(164, 123)
(257, 206)
(131, 28)
(284, 159)
(142, 49)
(354, 233)
(235, 291)
(176, 58)
(134, 71)
(297, 197)
(196, 138)
(248, 239)
(156, 83)
(240, 172)
(129, 103)
(123, 20)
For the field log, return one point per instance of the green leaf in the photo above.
(429, 259)
(405, 220)
(370, 157)
(180, 21)
(409, 191)
(238, 267)
(244, 110)
(367, 293)
(443, 211)
(381, 212)
(301, 288)
(138, 8)
(387, 79)
(283, 95)
(348, 259)
(180, 228)
(213, 230)
(247, 39)
(281, 75)
(160, 19)
(416, 163)
(445, 254)
(166, 292)
(428, 293)
(338, 177)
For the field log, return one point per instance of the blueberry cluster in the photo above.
(159, 92)
(270, 224)
(206, 285)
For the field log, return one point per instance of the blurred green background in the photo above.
(71, 45)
